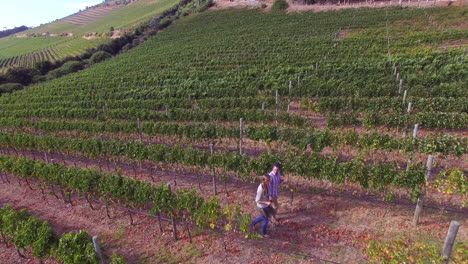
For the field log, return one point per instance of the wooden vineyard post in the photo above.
(420, 202)
(241, 134)
(276, 111)
(174, 227)
(214, 175)
(450, 240)
(289, 92)
(140, 129)
(415, 132)
(97, 249)
(405, 94)
(406, 125)
(299, 78)
(167, 110)
(464, 53)
(104, 110)
(401, 86)
(263, 106)
(398, 76)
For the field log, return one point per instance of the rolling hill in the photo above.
(69, 36)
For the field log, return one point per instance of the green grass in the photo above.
(28, 50)
(13, 46)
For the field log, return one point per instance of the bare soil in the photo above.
(296, 6)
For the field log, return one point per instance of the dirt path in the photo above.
(343, 4)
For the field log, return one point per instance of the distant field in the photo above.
(25, 51)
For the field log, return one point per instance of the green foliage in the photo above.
(401, 251)
(99, 57)
(43, 66)
(407, 251)
(182, 204)
(26, 231)
(452, 182)
(165, 22)
(68, 67)
(279, 6)
(377, 176)
(20, 75)
(116, 258)
(10, 87)
(76, 249)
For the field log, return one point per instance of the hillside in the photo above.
(212, 101)
(100, 19)
(8, 32)
(56, 40)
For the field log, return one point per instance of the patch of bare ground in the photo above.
(342, 34)
(116, 33)
(224, 4)
(454, 43)
(296, 6)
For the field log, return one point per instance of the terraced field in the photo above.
(25, 51)
(210, 103)
(101, 19)
(89, 15)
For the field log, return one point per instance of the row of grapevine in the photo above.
(378, 176)
(301, 138)
(184, 205)
(150, 104)
(335, 104)
(173, 114)
(429, 120)
(29, 232)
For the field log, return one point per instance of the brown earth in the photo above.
(295, 6)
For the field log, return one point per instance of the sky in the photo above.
(32, 13)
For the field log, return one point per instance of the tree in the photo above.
(43, 66)
(21, 75)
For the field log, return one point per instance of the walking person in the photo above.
(275, 181)
(264, 205)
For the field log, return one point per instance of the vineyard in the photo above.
(25, 52)
(63, 38)
(159, 150)
(100, 19)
